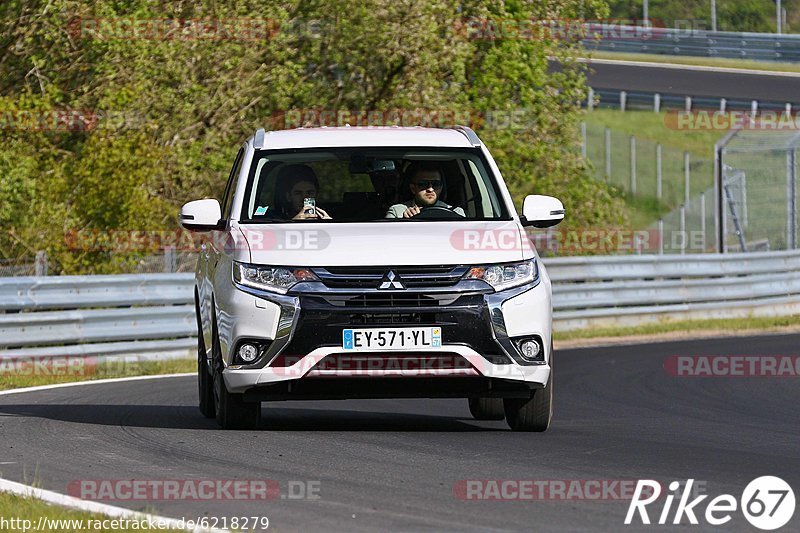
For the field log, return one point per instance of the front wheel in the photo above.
(533, 414)
(231, 410)
(205, 385)
(486, 408)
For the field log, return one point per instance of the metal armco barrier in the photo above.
(591, 292)
(700, 43)
(152, 315)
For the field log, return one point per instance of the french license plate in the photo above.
(392, 338)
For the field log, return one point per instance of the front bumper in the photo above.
(478, 330)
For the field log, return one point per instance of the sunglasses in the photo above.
(428, 184)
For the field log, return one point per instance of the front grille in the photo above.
(390, 299)
(372, 277)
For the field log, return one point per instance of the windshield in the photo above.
(370, 184)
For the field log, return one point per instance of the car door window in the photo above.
(230, 189)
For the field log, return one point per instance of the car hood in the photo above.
(395, 243)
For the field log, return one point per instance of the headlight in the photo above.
(274, 279)
(505, 276)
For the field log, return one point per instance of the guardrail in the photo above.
(700, 43)
(152, 315)
(591, 292)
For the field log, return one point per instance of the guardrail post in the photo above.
(688, 104)
(723, 104)
(686, 177)
(40, 267)
(788, 110)
(658, 171)
(583, 139)
(623, 99)
(753, 108)
(660, 236)
(633, 165)
(590, 100)
(607, 134)
(170, 261)
(657, 102)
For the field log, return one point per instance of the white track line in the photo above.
(679, 66)
(63, 500)
(83, 505)
(91, 382)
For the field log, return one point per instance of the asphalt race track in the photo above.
(380, 464)
(697, 83)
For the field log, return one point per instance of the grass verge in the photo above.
(24, 514)
(31, 373)
(738, 325)
(772, 66)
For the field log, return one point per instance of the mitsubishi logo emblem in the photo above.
(391, 281)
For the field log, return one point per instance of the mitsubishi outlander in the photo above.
(371, 262)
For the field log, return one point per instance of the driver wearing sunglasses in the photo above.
(425, 182)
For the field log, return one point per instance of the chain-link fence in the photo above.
(169, 260)
(676, 186)
(758, 172)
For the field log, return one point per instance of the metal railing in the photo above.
(592, 292)
(700, 43)
(152, 315)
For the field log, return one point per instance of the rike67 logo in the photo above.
(767, 503)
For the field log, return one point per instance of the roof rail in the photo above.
(471, 136)
(258, 139)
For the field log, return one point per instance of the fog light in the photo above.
(530, 350)
(248, 353)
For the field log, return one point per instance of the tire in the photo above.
(534, 414)
(205, 383)
(232, 411)
(487, 408)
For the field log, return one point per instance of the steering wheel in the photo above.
(436, 212)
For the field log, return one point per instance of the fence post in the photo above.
(657, 102)
(607, 134)
(590, 100)
(703, 218)
(623, 99)
(791, 207)
(686, 177)
(658, 171)
(40, 267)
(683, 229)
(583, 139)
(633, 165)
(170, 261)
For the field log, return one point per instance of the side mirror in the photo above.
(541, 211)
(201, 215)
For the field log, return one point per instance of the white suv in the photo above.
(371, 263)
